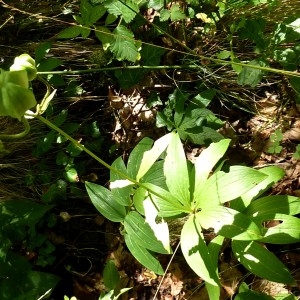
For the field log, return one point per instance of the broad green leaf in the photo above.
(228, 223)
(143, 256)
(104, 35)
(252, 295)
(85, 32)
(156, 4)
(222, 187)
(153, 154)
(196, 252)
(136, 156)
(69, 32)
(251, 76)
(127, 10)
(283, 204)
(214, 248)
(168, 204)
(139, 196)
(96, 13)
(121, 193)
(177, 13)
(49, 64)
(206, 161)
(41, 50)
(111, 276)
(261, 262)
(123, 44)
(156, 175)
(274, 174)
(104, 202)
(161, 230)
(176, 172)
(142, 234)
(286, 232)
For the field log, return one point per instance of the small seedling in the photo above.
(275, 139)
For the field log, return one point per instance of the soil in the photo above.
(84, 239)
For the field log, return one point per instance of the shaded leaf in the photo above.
(261, 262)
(69, 32)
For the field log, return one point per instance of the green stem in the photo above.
(219, 61)
(80, 146)
(19, 135)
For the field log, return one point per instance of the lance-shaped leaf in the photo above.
(222, 187)
(142, 234)
(273, 175)
(15, 96)
(104, 202)
(168, 205)
(150, 156)
(229, 223)
(196, 252)
(206, 161)
(261, 262)
(282, 204)
(120, 188)
(285, 229)
(142, 255)
(176, 171)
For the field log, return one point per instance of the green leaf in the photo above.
(142, 234)
(123, 45)
(229, 223)
(104, 202)
(196, 252)
(206, 161)
(273, 173)
(49, 64)
(176, 172)
(127, 10)
(251, 76)
(286, 232)
(71, 175)
(151, 55)
(156, 4)
(120, 194)
(69, 32)
(153, 154)
(282, 204)
(177, 13)
(143, 256)
(104, 35)
(169, 205)
(136, 156)
(96, 13)
(85, 32)
(252, 295)
(261, 262)
(41, 51)
(111, 276)
(223, 187)
(156, 175)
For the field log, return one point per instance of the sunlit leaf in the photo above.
(196, 252)
(176, 172)
(229, 223)
(261, 262)
(142, 234)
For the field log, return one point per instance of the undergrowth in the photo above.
(213, 58)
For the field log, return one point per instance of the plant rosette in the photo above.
(15, 95)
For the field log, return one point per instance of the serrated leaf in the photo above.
(177, 13)
(206, 161)
(229, 223)
(127, 10)
(261, 262)
(123, 44)
(196, 252)
(176, 172)
(142, 255)
(142, 234)
(104, 202)
(153, 154)
(222, 187)
(69, 32)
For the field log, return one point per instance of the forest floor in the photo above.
(84, 240)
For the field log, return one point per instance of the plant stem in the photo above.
(19, 135)
(83, 148)
(216, 60)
